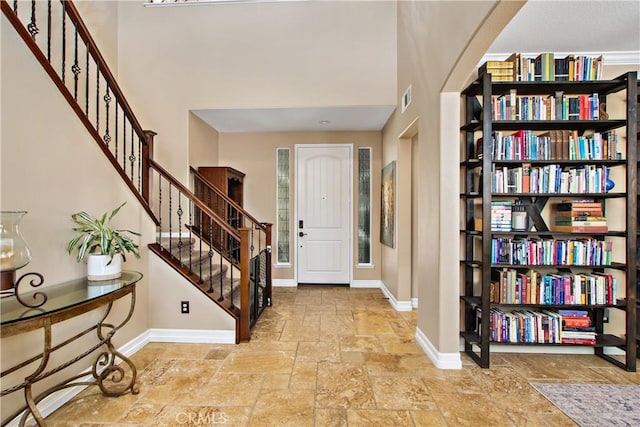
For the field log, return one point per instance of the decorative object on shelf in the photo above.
(519, 217)
(603, 115)
(608, 182)
(387, 220)
(15, 254)
(103, 245)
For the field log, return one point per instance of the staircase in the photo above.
(238, 280)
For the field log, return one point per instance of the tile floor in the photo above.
(332, 356)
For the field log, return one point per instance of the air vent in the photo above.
(406, 99)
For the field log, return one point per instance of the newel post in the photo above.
(147, 155)
(245, 306)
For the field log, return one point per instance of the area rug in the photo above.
(595, 404)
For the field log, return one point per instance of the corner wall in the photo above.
(436, 42)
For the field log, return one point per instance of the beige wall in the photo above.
(101, 18)
(255, 155)
(203, 143)
(439, 44)
(175, 59)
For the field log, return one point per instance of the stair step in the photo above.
(165, 242)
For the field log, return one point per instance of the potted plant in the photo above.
(103, 245)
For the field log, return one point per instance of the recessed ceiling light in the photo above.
(324, 122)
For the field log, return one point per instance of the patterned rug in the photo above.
(595, 404)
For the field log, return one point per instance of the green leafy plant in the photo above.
(96, 236)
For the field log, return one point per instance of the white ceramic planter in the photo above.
(97, 268)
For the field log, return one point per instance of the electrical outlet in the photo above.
(184, 307)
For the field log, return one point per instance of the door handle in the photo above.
(301, 234)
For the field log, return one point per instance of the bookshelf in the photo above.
(638, 214)
(566, 272)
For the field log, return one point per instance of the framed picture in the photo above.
(387, 211)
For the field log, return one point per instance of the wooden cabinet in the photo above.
(226, 179)
(523, 283)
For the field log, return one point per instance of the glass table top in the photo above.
(61, 296)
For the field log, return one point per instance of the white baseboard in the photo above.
(284, 283)
(397, 305)
(366, 284)
(192, 336)
(440, 360)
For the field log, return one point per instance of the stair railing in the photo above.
(259, 243)
(61, 43)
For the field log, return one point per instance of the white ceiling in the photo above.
(611, 28)
(359, 118)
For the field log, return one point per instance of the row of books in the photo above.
(531, 251)
(577, 327)
(512, 106)
(555, 145)
(544, 67)
(584, 216)
(510, 286)
(552, 179)
(541, 327)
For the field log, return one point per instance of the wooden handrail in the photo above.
(227, 198)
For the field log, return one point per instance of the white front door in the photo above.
(324, 194)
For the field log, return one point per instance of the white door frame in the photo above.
(350, 208)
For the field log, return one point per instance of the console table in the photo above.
(63, 302)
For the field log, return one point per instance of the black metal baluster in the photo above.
(230, 283)
(86, 84)
(124, 132)
(210, 290)
(190, 237)
(180, 212)
(49, 31)
(159, 202)
(139, 164)
(200, 244)
(15, 7)
(170, 239)
(107, 99)
(64, 39)
(98, 98)
(221, 298)
(116, 128)
(32, 27)
(132, 156)
(75, 68)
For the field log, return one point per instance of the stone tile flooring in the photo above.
(333, 356)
